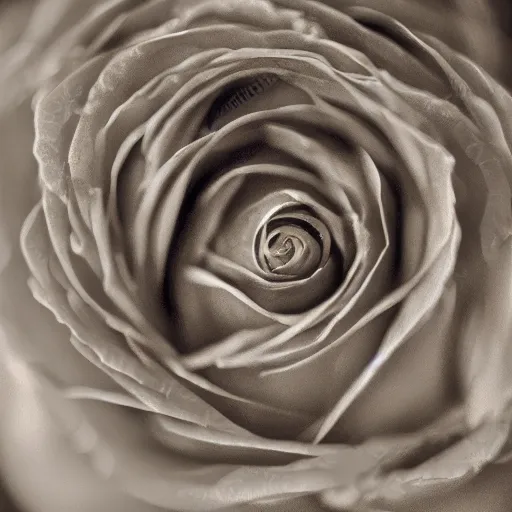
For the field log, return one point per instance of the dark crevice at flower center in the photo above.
(293, 244)
(239, 95)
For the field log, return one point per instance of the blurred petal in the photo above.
(486, 344)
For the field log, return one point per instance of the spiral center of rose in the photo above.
(293, 244)
(280, 250)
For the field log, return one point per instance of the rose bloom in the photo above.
(254, 256)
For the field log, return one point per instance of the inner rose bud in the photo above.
(293, 244)
(274, 250)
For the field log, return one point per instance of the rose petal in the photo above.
(485, 350)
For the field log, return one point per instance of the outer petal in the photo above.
(43, 471)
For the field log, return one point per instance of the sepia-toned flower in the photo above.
(255, 256)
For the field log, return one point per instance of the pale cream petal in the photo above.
(486, 342)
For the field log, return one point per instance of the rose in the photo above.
(366, 483)
(409, 144)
